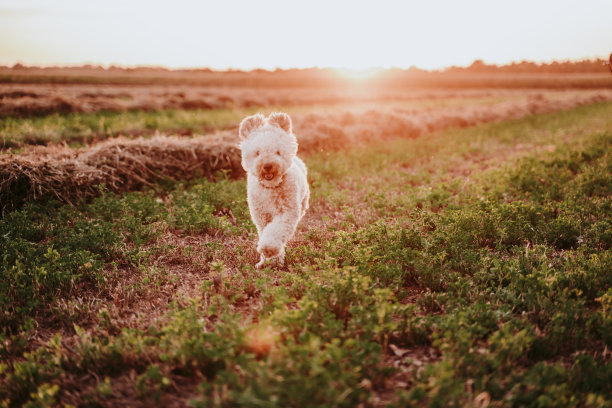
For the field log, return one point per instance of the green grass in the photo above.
(494, 255)
(82, 128)
(47, 248)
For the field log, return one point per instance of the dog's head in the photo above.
(268, 146)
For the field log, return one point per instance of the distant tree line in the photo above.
(581, 66)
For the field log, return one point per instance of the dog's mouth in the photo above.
(268, 172)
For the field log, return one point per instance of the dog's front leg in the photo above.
(275, 235)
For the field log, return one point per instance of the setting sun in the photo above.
(359, 74)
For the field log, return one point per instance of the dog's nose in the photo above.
(267, 167)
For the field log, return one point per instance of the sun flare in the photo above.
(359, 74)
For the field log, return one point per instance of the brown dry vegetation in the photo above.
(121, 164)
(23, 100)
(26, 91)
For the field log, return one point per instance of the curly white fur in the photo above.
(277, 187)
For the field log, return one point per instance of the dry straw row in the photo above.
(130, 164)
(120, 164)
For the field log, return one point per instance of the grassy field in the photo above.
(79, 129)
(466, 267)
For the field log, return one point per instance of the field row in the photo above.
(123, 165)
(465, 108)
(27, 100)
(32, 100)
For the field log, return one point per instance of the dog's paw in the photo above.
(270, 248)
(270, 251)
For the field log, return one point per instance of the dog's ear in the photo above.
(281, 120)
(249, 124)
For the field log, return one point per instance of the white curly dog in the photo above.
(277, 188)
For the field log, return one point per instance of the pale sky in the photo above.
(268, 34)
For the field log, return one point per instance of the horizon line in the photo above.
(89, 64)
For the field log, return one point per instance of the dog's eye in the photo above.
(257, 153)
(278, 152)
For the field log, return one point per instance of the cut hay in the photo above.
(337, 130)
(28, 100)
(53, 172)
(120, 164)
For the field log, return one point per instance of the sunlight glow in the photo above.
(273, 33)
(359, 74)
(261, 340)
